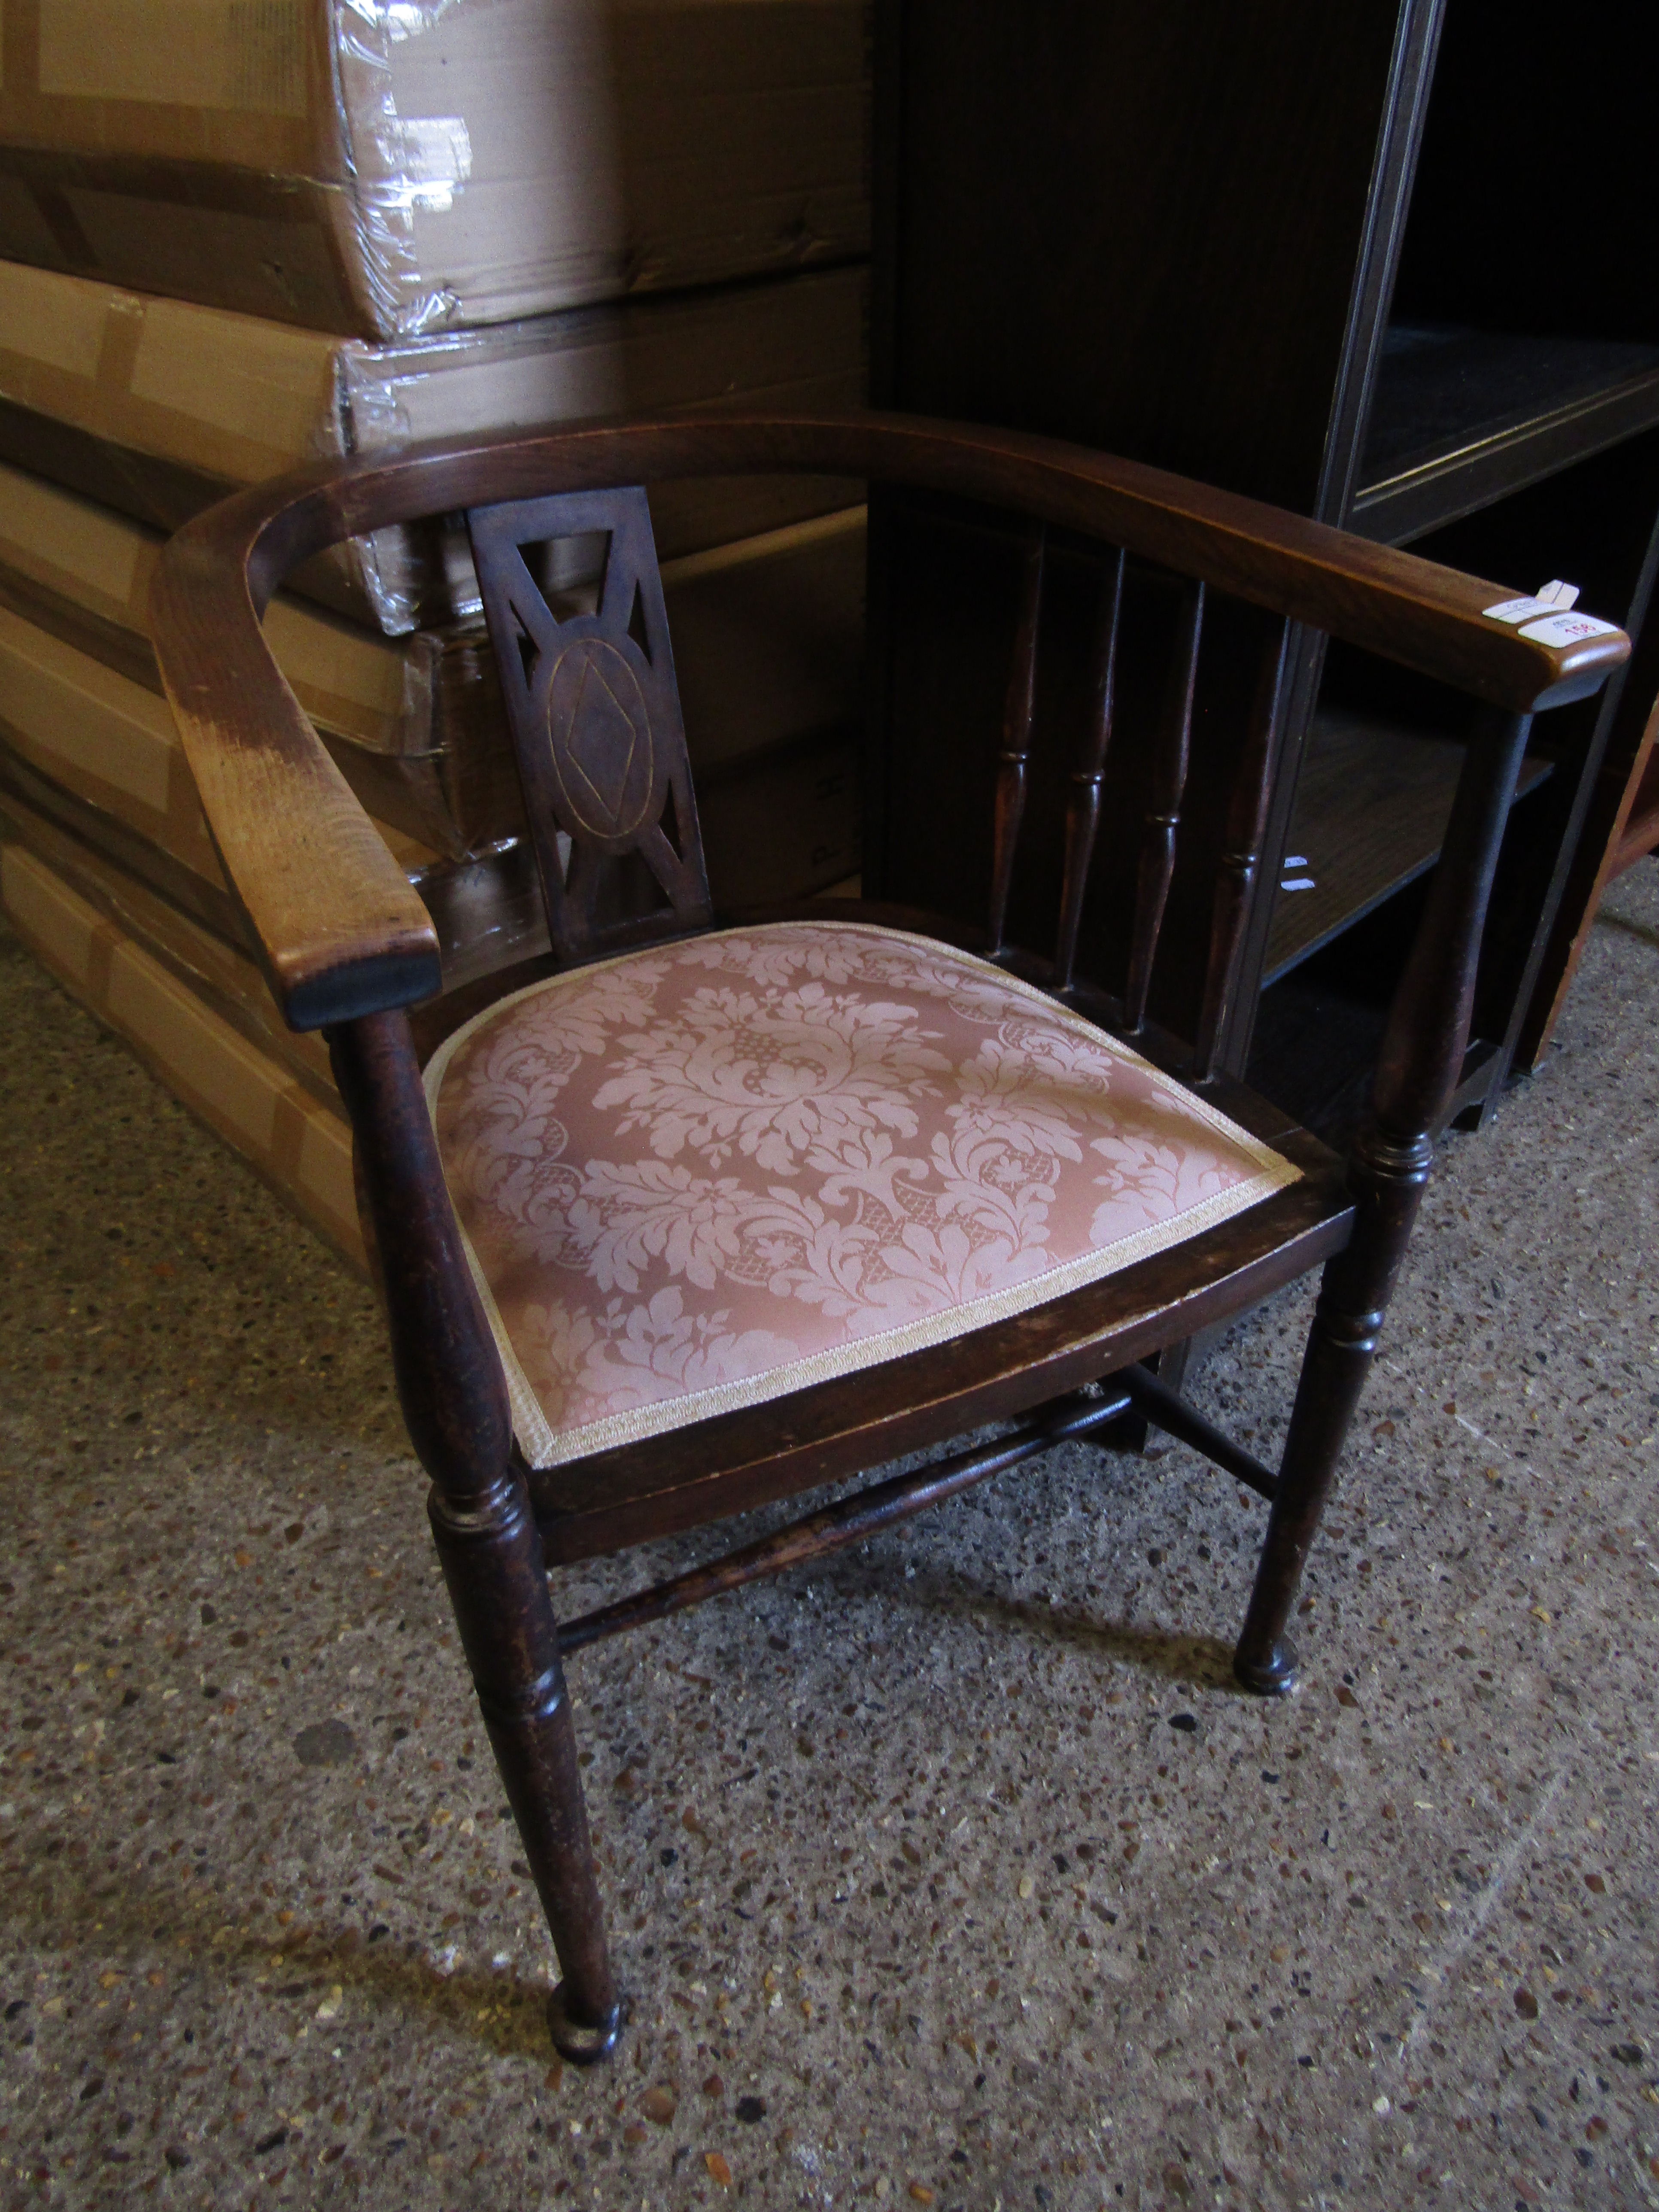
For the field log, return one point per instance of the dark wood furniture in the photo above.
(1382, 264)
(349, 948)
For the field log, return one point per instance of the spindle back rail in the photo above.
(594, 717)
(1167, 749)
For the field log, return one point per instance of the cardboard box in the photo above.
(90, 568)
(222, 975)
(386, 171)
(155, 408)
(276, 1120)
(769, 638)
(782, 824)
(414, 722)
(110, 743)
(98, 754)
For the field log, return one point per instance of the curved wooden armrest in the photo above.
(339, 928)
(339, 931)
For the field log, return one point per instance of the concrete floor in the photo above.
(958, 1875)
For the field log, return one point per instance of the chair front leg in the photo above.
(454, 1400)
(491, 1552)
(1416, 1071)
(1387, 1181)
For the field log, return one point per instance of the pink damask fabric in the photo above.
(708, 1173)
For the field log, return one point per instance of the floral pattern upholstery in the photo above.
(716, 1170)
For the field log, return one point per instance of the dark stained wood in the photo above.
(449, 1376)
(1017, 717)
(1586, 150)
(347, 953)
(1100, 227)
(497, 1579)
(1155, 867)
(1429, 1021)
(1083, 800)
(1099, 224)
(1606, 513)
(1077, 242)
(1247, 819)
(1164, 1409)
(1621, 825)
(1640, 835)
(339, 929)
(594, 712)
(1417, 1072)
(1526, 379)
(853, 1520)
(455, 1402)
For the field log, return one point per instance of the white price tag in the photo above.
(1566, 629)
(1554, 598)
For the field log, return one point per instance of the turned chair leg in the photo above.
(455, 1399)
(1388, 1180)
(492, 1561)
(1417, 1072)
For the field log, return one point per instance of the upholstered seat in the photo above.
(720, 1169)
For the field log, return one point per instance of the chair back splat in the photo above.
(594, 714)
(697, 1232)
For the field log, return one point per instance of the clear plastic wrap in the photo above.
(435, 235)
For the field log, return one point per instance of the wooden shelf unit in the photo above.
(1099, 224)
(1462, 418)
(1370, 813)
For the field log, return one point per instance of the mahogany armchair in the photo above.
(685, 1218)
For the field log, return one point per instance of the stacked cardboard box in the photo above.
(235, 237)
(386, 170)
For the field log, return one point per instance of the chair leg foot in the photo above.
(1339, 1353)
(1274, 1674)
(584, 2043)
